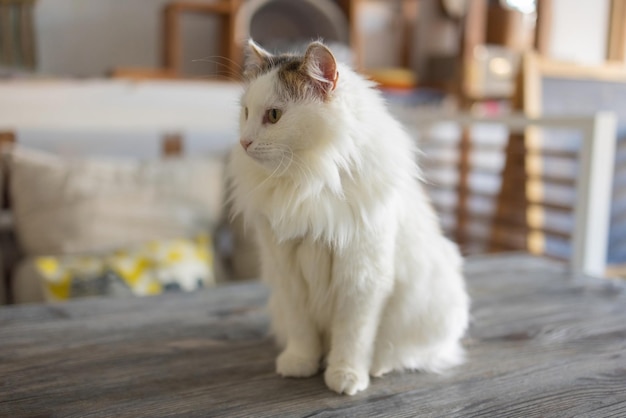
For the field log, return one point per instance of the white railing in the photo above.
(593, 181)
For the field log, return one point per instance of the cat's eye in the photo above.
(273, 115)
(245, 112)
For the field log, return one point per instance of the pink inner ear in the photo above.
(327, 66)
(323, 63)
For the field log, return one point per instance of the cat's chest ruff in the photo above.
(324, 218)
(332, 211)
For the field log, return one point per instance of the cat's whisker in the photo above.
(304, 169)
(285, 151)
(287, 166)
(231, 75)
(277, 171)
(219, 65)
(299, 165)
(213, 58)
(217, 76)
(268, 178)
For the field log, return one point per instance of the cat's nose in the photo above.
(245, 143)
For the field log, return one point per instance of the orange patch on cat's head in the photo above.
(311, 76)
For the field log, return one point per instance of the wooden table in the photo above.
(541, 344)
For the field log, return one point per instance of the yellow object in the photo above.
(48, 265)
(150, 269)
(402, 78)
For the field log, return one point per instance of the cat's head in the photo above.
(286, 109)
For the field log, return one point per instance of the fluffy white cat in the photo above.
(361, 275)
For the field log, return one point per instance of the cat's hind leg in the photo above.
(432, 359)
(421, 327)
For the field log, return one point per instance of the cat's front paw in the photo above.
(293, 364)
(346, 380)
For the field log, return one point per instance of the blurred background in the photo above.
(116, 118)
(90, 38)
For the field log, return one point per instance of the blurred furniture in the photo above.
(231, 14)
(534, 183)
(63, 223)
(120, 121)
(17, 34)
(557, 204)
(493, 39)
(541, 342)
(548, 88)
(235, 16)
(225, 10)
(401, 76)
(171, 39)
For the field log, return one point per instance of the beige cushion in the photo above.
(65, 206)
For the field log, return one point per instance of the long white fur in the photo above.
(360, 272)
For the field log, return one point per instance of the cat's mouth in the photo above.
(269, 160)
(259, 156)
(255, 155)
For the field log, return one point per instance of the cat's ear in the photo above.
(320, 64)
(256, 56)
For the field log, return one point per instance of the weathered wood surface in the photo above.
(541, 344)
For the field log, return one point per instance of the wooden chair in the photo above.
(470, 196)
(548, 88)
(535, 192)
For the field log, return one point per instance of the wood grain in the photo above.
(542, 343)
(616, 45)
(225, 10)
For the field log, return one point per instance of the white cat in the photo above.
(360, 272)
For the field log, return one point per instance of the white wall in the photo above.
(119, 117)
(90, 37)
(579, 30)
